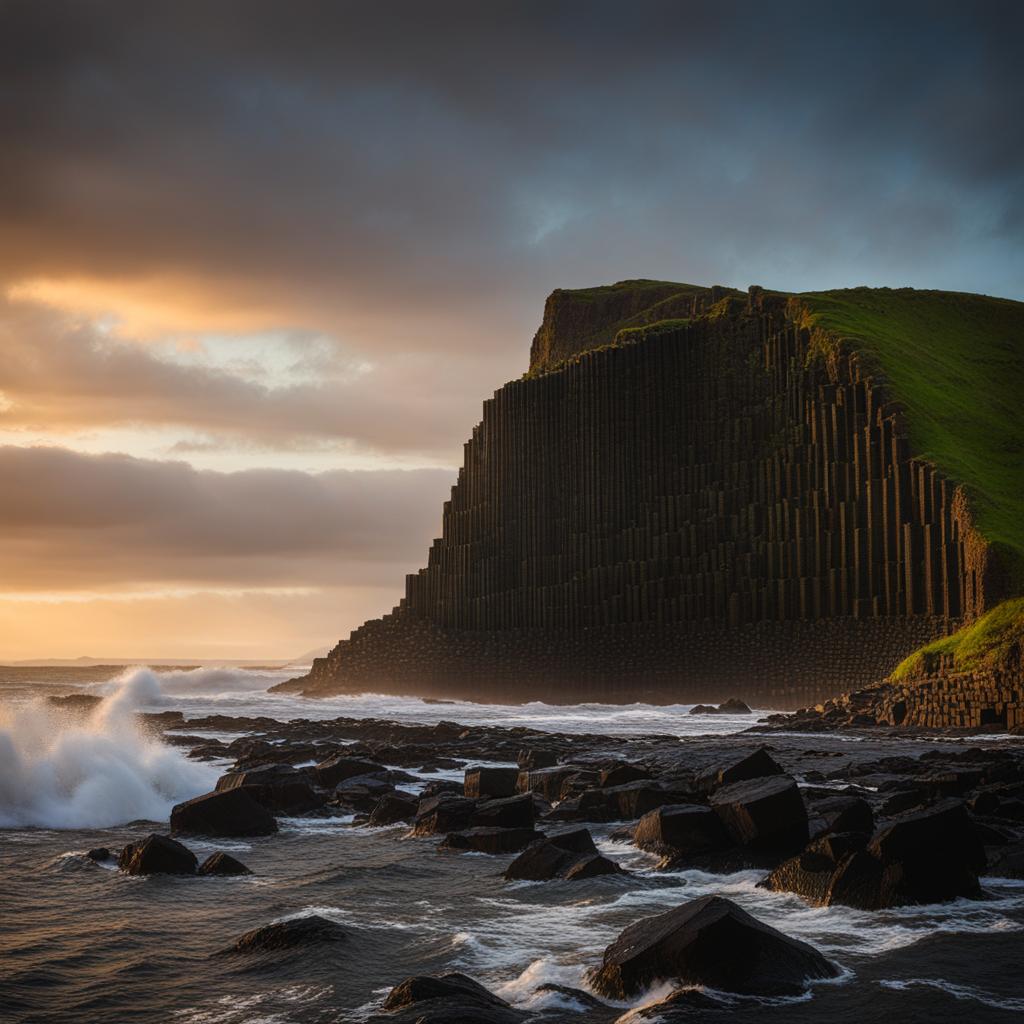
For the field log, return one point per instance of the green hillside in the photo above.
(955, 362)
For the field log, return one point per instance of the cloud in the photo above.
(99, 523)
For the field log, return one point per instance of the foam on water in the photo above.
(62, 770)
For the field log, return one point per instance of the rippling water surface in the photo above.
(82, 942)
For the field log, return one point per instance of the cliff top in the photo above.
(955, 363)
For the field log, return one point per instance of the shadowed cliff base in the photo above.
(694, 493)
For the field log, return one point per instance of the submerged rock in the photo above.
(295, 933)
(157, 855)
(230, 813)
(732, 706)
(221, 863)
(450, 998)
(708, 941)
(98, 854)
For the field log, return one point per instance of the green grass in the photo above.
(955, 362)
(987, 642)
(630, 334)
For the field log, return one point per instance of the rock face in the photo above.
(230, 813)
(157, 855)
(490, 782)
(280, 788)
(718, 502)
(296, 933)
(708, 941)
(681, 831)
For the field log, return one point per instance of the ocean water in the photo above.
(80, 941)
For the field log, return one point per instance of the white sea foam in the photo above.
(962, 992)
(62, 770)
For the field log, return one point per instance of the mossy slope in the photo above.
(991, 642)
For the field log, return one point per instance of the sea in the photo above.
(80, 941)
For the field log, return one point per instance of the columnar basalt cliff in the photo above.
(689, 495)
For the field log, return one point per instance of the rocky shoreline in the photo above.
(866, 824)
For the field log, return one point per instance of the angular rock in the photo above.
(568, 855)
(620, 774)
(810, 874)
(442, 814)
(220, 863)
(755, 765)
(230, 813)
(532, 758)
(157, 855)
(280, 788)
(766, 816)
(841, 814)
(680, 830)
(295, 933)
(98, 854)
(393, 808)
(491, 840)
(339, 768)
(709, 941)
(545, 781)
(510, 812)
(489, 783)
(624, 802)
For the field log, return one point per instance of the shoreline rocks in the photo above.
(708, 941)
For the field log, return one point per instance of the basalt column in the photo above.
(704, 510)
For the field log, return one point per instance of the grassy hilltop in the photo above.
(955, 362)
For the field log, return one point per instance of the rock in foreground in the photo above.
(570, 855)
(157, 855)
(222, 864)
(708, 941)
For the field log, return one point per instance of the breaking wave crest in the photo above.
(66, 770)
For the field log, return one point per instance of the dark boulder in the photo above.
(623, 802)
(230, 813)
(930, 856)
(222, 864)
(545, 781)
(450, 998)
(157, 855)
(732, 706)
(295, 933)
(442, 814)
(766, 816)
(488, 783)
(491, 840)
(841, 814)
(531, 758)
(567, 855)
(337, 769)
(810, 873)
(756, 765)
(362, 792)
(393, 808)
(680, 830)
(620, 774)
(709, 941)
(510, 812)
(98, 854)
(280, 788)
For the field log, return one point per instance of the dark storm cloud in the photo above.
(459, 160)
(69, 521)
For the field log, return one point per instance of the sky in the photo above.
(260, 263)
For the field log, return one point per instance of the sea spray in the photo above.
(64, 770)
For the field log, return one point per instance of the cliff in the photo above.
(693, 492)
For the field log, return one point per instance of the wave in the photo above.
(60, 770)
(147, 688)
